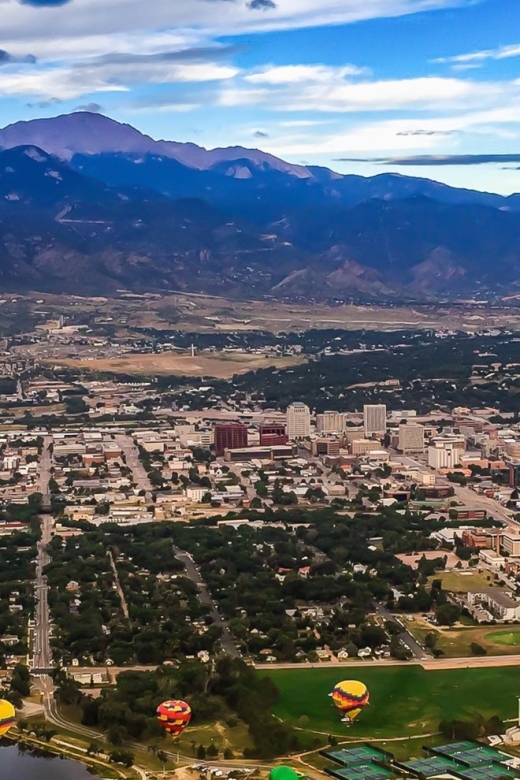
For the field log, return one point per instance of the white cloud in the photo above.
(298, 74)
(70, 82)
(476, 58)
(82, 18)
(445, 134)
(338, 95)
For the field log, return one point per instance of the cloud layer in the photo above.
(439, 159)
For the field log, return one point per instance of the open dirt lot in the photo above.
(221, 365)
(412, 559)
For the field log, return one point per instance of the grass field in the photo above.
(508, 637)
(456, 642)
(459, 582)
(404, 700)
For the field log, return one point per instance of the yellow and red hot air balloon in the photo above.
(174, 716)
(350, 697)
(7, 716)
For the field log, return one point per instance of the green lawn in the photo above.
(405, 700)
(508, 637)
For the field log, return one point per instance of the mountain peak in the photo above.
(84, 132)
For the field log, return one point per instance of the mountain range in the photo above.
(90, 205)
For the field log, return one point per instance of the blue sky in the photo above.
(422, 87)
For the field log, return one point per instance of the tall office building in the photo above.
(331, 422)
(230, 436)
(298, 421)
(411, 437)
(374, 418)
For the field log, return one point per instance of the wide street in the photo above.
(464, 494)
(42, 656)
(132, 461)
(405, 636)
(226, 640)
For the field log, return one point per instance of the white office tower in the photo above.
(298, 421)
(331, 422)
(374, 417)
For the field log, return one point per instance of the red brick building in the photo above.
(272, 434)
(230, 436)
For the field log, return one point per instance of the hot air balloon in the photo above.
(174, 716)
(350, 697)
(283, 773)
(7, 716)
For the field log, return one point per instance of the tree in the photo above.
(94, 748)
(201, 752)
(21, 680)
(123, 757)
(477, 649)
(447, 614)
(116, 734)
(162, 757)
(212, 751)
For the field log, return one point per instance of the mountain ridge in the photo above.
(238, 227)
(89, 133)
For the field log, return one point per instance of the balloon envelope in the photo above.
(7, 716)
(174, 716)
(350, 697)
(283, 773)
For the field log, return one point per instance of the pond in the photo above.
(22, 765)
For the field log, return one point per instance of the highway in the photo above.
(226, 640)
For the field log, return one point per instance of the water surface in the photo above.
(20, 765)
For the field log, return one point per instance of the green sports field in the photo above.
(404, 700)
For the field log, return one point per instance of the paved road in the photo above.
(465, 494)
(45, 472)
(226, 640)
(120, 592)
(42, 656)
(132, 461)
(42, 651)
(405, 636)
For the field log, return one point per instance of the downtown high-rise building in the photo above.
(374, 419)
(411, 437)
(229, 436)
(298, 421)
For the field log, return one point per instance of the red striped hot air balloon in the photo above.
(174, 716)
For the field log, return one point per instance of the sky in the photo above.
(421, 87)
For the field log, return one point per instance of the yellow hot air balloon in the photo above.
(350, 697)
(7, 716)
